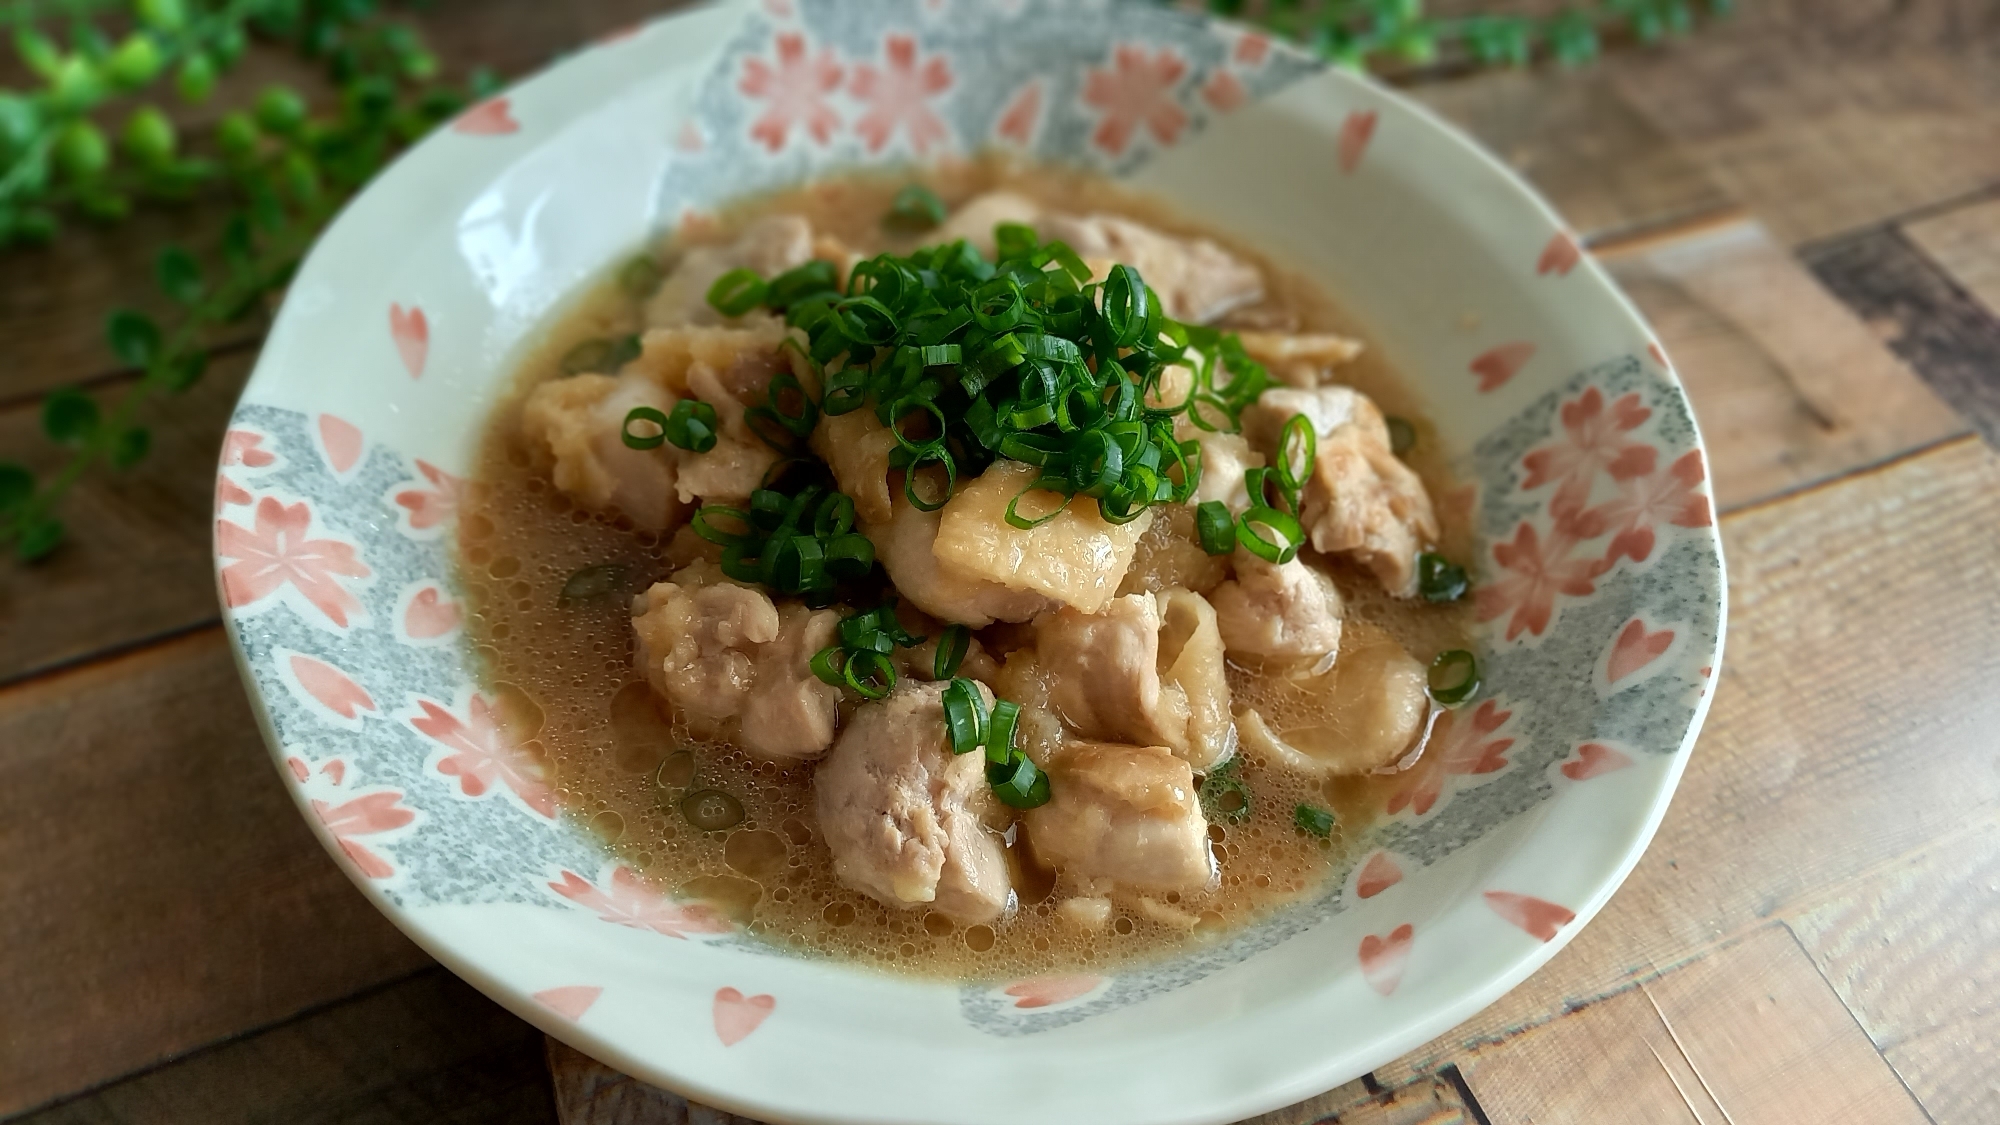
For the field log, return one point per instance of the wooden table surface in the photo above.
(1804, 200)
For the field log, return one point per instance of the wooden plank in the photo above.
(1965, 242)
(1607, 169)
(161, 889)
(1914, 953)
(1946, 334)
(1824, 116)
(137, 562)
(1790, 386)
(1749, 1035)
(1821, 758)
(428, 1048)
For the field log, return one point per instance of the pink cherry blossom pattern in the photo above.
(898, 94)
(300, 770)
(1560, 255)
(279, 550)
(433, 507)
(690, 138)
(1251, 50)
(243, 447)
(1594, 759)
(627, 901)
(737, 1015)
(1382, 959)
(228, 493)
(569, 1001)
(428, 615)
(493, 117)
(1355, 133)
(365, 816)
(1531, 573)
(779, 9)
(1018, 123)
(334, 771)
(1650, 499)
(480, 753)
(1593, 441)
(411, 331)
(332, 688)
(795, 87)
(1135, 91)
(1224, 92)
(1461, 745)
(1040, 992)
(1377, 875)
(1496, 365)
(1634, 648)
(341, 443)
(1538, 917)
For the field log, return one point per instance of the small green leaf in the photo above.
(136, 62)
(239, 247)
(38, 51)
(38, 538)
(197, 78)
(16, 485)
(149, 136)
(133, 336)
(69, 416)
(236, 135)
(280, 109)
(178, 274)
(129, 448)
(229, 45)
(162, 15)
(81, 151)
(184, 370)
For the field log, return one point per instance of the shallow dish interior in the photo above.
(1601, 634)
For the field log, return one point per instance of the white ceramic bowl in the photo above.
(1599, 569)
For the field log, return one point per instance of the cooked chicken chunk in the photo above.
(1120, 676)
(1303, 359)
(1077, 558)
(743, 357)
(1361, 498)
(976, 217)
(579, 421)
(1123, 815)
(1169, 554)
(1197, 280)
(900, 811)
(856, 446)
(770, 245)
(905, 547)
(1363, 715)
(1225, 459)
(1191, 658)
(1277, 609)
(720, 652)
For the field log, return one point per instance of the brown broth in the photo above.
(621, 767)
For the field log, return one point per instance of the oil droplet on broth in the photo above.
(608, 826)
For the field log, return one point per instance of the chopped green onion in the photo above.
(1313, 820)
(1402, 435)
(811, 279)
(1017, 782)
(964, 716)
(868, 674)
(592, 582)
(712, 810)
(1291, 535)
(1000, 730)
(645, 414)
(828, 663)
(1297, 443)
(737, 292)
(1225, 796)
(1216, 527)
(692, 426)
(916, 207)
(602, 356)
(952, 646)
(1454, 676)
(640, 277)
(1439, 579)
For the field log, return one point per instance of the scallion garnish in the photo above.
(691, 426)
(1213, 524)
(592, 582)
(1454, 676)
(952, 646)
(1402, 435)
(1225, 796)
(802, 543)
(1018, 782)
(1000, 730)
(1439, 579)
(1313, 820)
(1298, 450)
(1287, 535)
(859, 660)
(964, 716)
(602, 356)
(737, 292)
(869, 675)
(916, 207)
(646, 416)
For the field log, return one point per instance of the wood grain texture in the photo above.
(1824, 116)
(1914, 952)
(137, 562)
(161, 890)
(1965, 243)
(1749, 1035)
(1788, 383)
(1946, 334)
(1821, 759)
(425, 1049)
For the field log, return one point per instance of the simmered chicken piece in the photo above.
(1169, 554)
(579, 422)
(1303, 359)
(1077, 558)
(1197, 280)
(1362, 498)
(900, 811)
(1278, 609)
(1364, 714)
(770, 245)
(1123, 816)
(718, 652)
(1225, 459)
(856, 447)
(976, 217)
(1121, 677)
(905, 546)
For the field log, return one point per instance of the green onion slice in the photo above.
(737, 292)
(1225, 796)
(828, 664)
(1298, 448)
(952, 646)
(916, 207)
(645, 414)
(1454, 676)
(1289, 534)
(1017, 782)
(1216, 527)
(1000, 730)
(1439, 579)
(868, 674)
(692, 425)
(640, 277)
(1313, 820)
(964, 716)
(592, 582)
